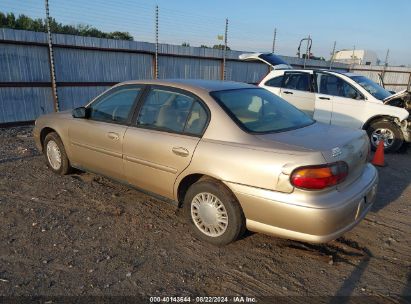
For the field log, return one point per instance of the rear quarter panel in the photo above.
(247, 164)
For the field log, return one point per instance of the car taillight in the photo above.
(319, 177)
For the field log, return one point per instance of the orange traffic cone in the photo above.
(378, 159)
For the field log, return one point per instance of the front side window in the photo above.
(348, 91)
(297, 81)
(115, 106)
(259, 111)
(332, 85)
(373, 88)
(172, 111)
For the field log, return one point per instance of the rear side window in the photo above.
(197, 120)
(297, 81)
(172, 112)
(275, 82)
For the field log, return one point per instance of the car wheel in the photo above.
(387, 131)
(55, 154)
(213, 212)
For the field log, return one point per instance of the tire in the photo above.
(53, 145)
(392, 133)
(216, 198)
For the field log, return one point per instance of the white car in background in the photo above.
(339, 98)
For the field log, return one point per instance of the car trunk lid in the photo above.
(272, 60)
(335, 144)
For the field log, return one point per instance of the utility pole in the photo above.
(51, 59)
(274, 38)
(386, 58)
(156, 53)
(353, 58)
(225, 49)
(332, 55)
(385, 67)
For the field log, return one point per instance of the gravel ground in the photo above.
(82, 234)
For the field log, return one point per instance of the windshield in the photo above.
(259, 111)
(373, 88)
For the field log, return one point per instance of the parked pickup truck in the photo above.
(341, 98)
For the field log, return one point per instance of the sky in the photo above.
(375, 25)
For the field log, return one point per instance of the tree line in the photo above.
(23, 22)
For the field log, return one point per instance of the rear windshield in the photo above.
(373, 88)
(259, 111)
(273, 59)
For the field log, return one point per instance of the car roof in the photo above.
(348, 74)
(195, 84)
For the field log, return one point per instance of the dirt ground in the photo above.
(82, 234)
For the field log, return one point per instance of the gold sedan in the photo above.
(232, 155)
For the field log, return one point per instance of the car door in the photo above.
(161, 142)
(97, 141)
(297, 89)
(340, 99)
(324, 88)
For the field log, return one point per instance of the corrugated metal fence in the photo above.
(86, 66)
(394, 78)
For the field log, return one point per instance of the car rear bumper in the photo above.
(282, 215)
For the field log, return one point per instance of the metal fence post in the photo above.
(156, 53)
(225, 49)
(51, 60)
(332, 55)
(274, 38)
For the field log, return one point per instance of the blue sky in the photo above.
(375, 25)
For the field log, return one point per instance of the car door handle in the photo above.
(325, 98)
(288, 92)
(113, 135)
(180, 151)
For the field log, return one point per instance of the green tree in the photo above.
(11, 20)
(220, 47)
(23, 22)
(121, 36)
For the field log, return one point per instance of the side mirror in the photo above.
(80, 112)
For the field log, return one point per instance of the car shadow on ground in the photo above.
(406, 293)
(352, 281)
(14, 159)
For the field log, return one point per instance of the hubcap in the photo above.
(385, 135)
(53, 155)
(209, 214)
